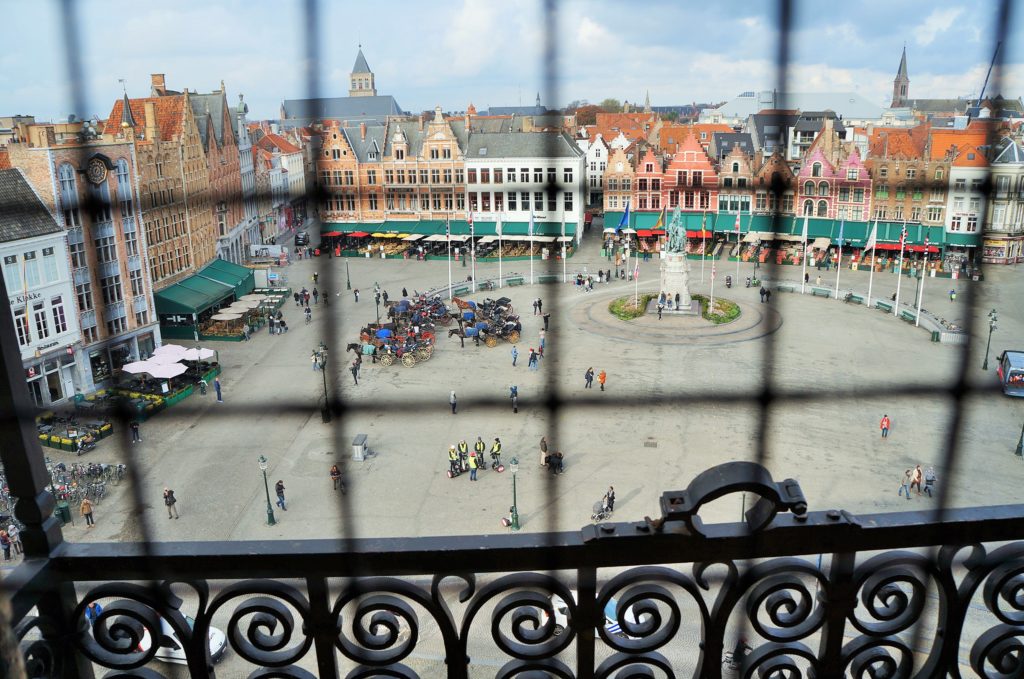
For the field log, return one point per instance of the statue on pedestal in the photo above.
(675, 267)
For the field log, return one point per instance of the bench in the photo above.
(549, 278)
(884, 306)
(856, 299)
(821, 292)
(516, 281)
(460, 290)
(908, 316)
(785, 287)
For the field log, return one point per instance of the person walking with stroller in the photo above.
(609, 499)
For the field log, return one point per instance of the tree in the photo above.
(587, 115)
(671, 116)
(611, 106)
(575, 104)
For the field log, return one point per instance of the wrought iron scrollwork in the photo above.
(267, 640)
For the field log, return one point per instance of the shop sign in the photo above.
(22, 299)
(48, 345)
(32, 371)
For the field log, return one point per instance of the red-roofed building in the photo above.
(282, 162)
(691, 180)
(175, 180)
(908, 184)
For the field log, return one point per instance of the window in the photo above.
(447, 176)
(975, 204)
(512, 201)
(21, 325)
(471, 176)
(808, 188)
(371, 177)
(350, 202)
(435, 176)
(131, 243)
(787, 202)
(567, 175)
(336, 154)
(727, 182)
(497, 175)
(761, 201)
(499, 201)
(538, 175)
(526, 200)
(698, 178)
(389, 201)
(434, 154)
(399, 154)
(141, 317)
(681, 177)
(1002, 185)
(524, 175)
(939, 174)
(510, 174)
(655, 185)
(460, 201)
(436, 201)
(39, 316)
(822, 208)
(626, 183)
(110, 288)
(852, 174)
(915, 214)
(897, 212)
(960, 185)
(400, 176)
(106, 249)
(99, 202)
(643, 202)
(12, 277)
(424, 202)
(917, 195)
(349, 178)
(538, 200)
(958, 204)
(936, 193)
(135, 277)
(688, 200)
(485, 175)
(955, 223)
(976, 185)
(373, 201)
(89, 335)
(972, 223)
(613, 184)
(816, 170)
(911, 172)
(50, 271)
(735, 167)
(446, 153)
(485, 201)
(641, 184)
(934, 214)
(655, 202)
(823, 189)
(858, 195)
(844, 194)
(649, 167)
(117, 326)
(423, 176)
(60, 323)
(389, 176)
(32, 278)
(458, 176)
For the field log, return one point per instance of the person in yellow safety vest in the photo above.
(478, 449)
(453, 459)
(464, 452)
(496, 453)
(472, 468)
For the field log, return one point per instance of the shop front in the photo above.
(1000, 249)
(50, 376)
(99, 362)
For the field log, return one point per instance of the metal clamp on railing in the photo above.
(731, 477)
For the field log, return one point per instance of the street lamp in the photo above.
(377, 299)
(991, 326)
(321, 361)
(1020, 444)
(266, 487)
(348, 279)
(513, 464)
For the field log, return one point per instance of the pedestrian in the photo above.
(609, 498)
(453, 402)
(588, 379)
(216, 388)
(601, 378)
(534, 307)
(405, 293)
(905, 484)
(916, 478)
(15, 535)
(600, 276)
(171, 502)
(531, 362)
(543, 339)
(355, 373)
(767, 296)
(513, 393)
(305, 298)
(540, 306)
(134, 426)
(356, 293)
(661, 307)
(547, 317)
(86, 510)
(807, 277)
(929, 482)
(543, 450)
(884, 426)
(472, 467)
(952, 295)
(335, 476)
(5, 544)
(92, 612)
(515, 355)
(283, 328)
(295, 296)
(453, 462)
(316, 276)
(478, 450)
(279, 489)
(817, 281)
(316, 296)
(270, 325)
(384, 295)
(762, 291)
(358, 362)
(312, 359)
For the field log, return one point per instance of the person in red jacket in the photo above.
(884, 426)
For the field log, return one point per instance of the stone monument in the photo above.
(674, 293)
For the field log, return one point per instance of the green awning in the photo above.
(970, 240)
(178, 299)
(459, 227)
(217, 282)
(239, 278)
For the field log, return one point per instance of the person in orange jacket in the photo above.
(884, 426)
(601, 378)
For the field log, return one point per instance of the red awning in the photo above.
(909, 248)
(643, 233)
(332, 233)
(359, 234)
(696, 234)
(657, 232)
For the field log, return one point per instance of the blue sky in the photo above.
(490, 53)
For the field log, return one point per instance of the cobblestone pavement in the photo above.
(207, 451)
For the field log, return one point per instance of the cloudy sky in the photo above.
(452, 52)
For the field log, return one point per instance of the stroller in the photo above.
(601, 510)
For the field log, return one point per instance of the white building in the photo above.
(248, 171)
(1004, 220)
(516, 174)
(40, 293)
(854, 109)
(596, 162)
(287, 180)
(965, 204)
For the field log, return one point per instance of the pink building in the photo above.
(833, 191)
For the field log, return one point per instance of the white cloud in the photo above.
(939, 21)
(474, 38)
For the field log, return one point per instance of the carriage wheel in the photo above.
(408, 360)
(513, 336)
(387, 359)
(423, 354)
(427, 336)
(491, 341)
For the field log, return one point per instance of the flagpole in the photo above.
(472, 245)
(803, 259)
(839, 262)
(531, 247)
(565, 277)
(448, 238)
(739, 249)
(703, 243)
(711, 302)
(500, 280)
(920, 294)
(899, 270)
(871, 271)
(636, 278)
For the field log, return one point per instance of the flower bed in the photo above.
(624, 309)
(724, 311)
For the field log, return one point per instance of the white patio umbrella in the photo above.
(199, 354)
(167, 370)
(225, 317)
(137, 367)
(171, 349)
(250, 297)
(165, 358)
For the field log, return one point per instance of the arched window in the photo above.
(809, 188)
(735, 167)
(822, 208)
(823, 189)
(809, 208)
(816, 170)
(68, 189)
(124, 182)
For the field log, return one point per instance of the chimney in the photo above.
(421, 122)
(151, 129)
(467, 121)
(157, 84)
(362, 131)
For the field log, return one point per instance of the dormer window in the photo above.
(399, 154)
(852, 174)
(816, 170)
(649, 167)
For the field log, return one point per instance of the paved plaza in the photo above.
(207, 451)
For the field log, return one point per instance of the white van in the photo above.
(171, 647)
(610, 624)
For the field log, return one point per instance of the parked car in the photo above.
(562, 615)
(171, 650)
(301, 239)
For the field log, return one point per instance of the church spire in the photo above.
(647, 102)
(901, 84)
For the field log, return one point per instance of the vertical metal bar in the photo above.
(323, 627)
(838, 599)
(587, 621)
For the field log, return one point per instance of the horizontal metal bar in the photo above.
(617, 544)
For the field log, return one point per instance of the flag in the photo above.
(624, 221)
(529, 228)
(872, 239)
(712, 271)
(903, 236)
(497, 227)
(737, 222)
(804, 235)
(842, 223)
(447, 230)
(660, 224)
(636, 271)
(704, 226)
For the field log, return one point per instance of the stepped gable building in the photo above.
(907, 183)
(91, 182)
(691, 179)
(362, 104)
(833, 181)
(775, 177)
(175, 180)
(618, 181)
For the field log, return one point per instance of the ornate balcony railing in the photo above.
(892, 595)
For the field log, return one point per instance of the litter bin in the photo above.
(359, 447)
(63, 512)
(936, 336)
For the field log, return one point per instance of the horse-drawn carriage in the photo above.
(489, 321)
(385, 344)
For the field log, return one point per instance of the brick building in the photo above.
(175, 180)
(90, 181)
(908, 183)
(618, 181)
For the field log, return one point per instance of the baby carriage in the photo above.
(601, 510)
